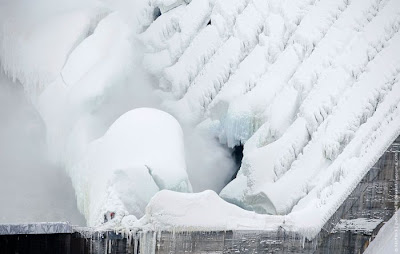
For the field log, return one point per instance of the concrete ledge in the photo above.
(36, 228)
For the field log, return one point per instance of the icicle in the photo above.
(154, 242)
(106, 247)
(158, 239)
(135, 247)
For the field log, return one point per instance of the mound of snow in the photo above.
(141, 153)
(202, 211)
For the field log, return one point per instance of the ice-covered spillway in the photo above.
(140, 154)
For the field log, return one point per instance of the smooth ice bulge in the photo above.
(140, 154)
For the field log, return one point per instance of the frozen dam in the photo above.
(199, 126)
(350, 230)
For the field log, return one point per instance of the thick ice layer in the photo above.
(140, 153)
(202, 211)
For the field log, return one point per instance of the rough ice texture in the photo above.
(122, 170)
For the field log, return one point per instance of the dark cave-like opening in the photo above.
(237, 156)
(156, 13)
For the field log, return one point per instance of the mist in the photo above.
(31, 188)
(210, 165)
(34, 188)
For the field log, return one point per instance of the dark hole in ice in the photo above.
(156, 13)
(237, 155)
(209, 23)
